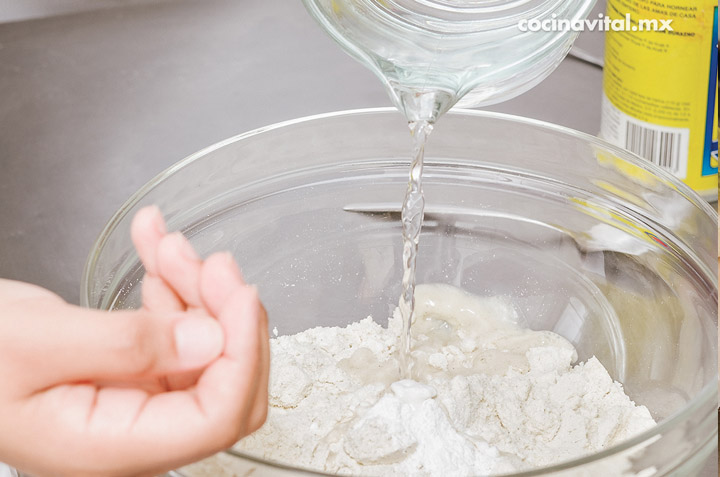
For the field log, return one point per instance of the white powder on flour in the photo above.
(488, 396)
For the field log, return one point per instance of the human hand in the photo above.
(86, 392)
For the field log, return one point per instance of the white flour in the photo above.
(495, 397)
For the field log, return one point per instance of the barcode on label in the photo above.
(663, 146)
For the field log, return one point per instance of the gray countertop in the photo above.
(94, 104)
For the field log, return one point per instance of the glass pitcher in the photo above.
(433, 54)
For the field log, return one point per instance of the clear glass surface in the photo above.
(430, 53)
(586, 239)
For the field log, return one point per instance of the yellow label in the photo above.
(660, 87)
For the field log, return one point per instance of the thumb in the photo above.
(57, 343)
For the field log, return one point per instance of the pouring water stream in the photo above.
(431, 54)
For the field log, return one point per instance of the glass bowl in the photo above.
(586, 239)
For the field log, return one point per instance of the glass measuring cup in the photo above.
(433, 54)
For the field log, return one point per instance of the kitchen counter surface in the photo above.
(95, 104)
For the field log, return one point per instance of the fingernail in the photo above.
(228, 258)
(233, 266)
(158, 220)
(184, 247)
(198, 341)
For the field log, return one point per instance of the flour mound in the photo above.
(488, 397)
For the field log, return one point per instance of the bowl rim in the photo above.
(700, 400)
